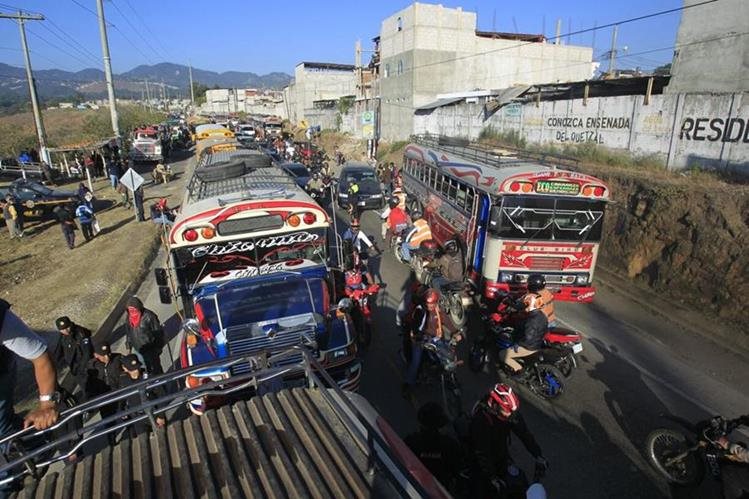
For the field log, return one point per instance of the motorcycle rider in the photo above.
(493, 419)
(438, 452)
(397, 220)
(735, 471)
(428, 324)
(315, 184)
(537, 285)
(529, 336)
(450, 262)
(417, 235)
(356, 275)
(356, 237)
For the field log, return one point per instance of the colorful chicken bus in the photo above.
(514, 217)
(249, 253)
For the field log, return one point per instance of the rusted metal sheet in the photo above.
(286, 444)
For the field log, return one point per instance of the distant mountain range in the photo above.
(56, 84)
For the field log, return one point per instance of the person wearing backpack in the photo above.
(145, 336)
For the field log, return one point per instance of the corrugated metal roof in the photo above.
(439, 103)
(289, 444)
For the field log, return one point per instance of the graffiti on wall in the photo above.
(715, 129)
(580, 129)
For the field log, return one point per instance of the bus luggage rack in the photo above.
(475, 152)
(16, 462)
(273, 181)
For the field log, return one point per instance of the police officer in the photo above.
(73, 351)
(131, 375)
(104, 372)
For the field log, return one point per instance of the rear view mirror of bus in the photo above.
(161, 277)
(165, 295)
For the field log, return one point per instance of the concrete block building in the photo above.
(317, 81)
(427, 50)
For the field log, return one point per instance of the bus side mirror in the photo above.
(165, 295)
(161, 277)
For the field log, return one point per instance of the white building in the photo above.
(317, 81)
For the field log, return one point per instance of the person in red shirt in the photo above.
(397, 220)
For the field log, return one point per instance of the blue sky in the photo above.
(265, 36)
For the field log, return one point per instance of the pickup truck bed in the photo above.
(286, 444)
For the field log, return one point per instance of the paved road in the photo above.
(635, 366)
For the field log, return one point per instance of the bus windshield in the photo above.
(543, 218)
(251, 256)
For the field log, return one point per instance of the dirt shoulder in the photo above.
(43, 279)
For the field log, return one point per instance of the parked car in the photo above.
(36, 197)
(370, 192)
(298, 171)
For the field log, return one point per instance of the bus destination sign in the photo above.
(554, 187)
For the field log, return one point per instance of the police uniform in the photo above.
(104, 377)
(130, 363)
(73, 351)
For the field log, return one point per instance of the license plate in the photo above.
(362, 203)
(577, 348)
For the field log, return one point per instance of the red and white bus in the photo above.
(514, 217)
(249, 253)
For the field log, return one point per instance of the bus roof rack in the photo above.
(273, 181)
(461, 146)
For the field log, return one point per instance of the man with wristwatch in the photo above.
(17, 340)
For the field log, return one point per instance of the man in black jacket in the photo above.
(493, 420)
(529, 337)
(440, 453)
(73, 351)
(145, 335)
(132, 374)
(104, 372)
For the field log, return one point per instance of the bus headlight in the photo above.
(582, 279)
(505, 277)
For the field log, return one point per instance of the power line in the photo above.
(148, 59)
(578, 32)
(136, 30)
(89, 56)
(634, 54)
(164, 50)
(58, 47)
(72, 40)
(36, 54)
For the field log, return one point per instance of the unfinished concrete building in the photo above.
(317, 81)
(428, 50)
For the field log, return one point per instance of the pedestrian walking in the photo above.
(73, 351)
(86, 218)
(65, 215)
(9, 215)
(145, 336)
(138, 200)
(113, 170)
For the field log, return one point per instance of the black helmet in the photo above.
(393, 202)
(431, 415)
(451, 247)
(416, 214)
(536, 282)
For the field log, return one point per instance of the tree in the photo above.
(663, 70)
(199, 90)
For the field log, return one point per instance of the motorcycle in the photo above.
(362, 313)
(440, 363)
(566, 343)
(540, 373)
(455, 297)
(684, 459)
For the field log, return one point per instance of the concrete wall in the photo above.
(328, 119)
(311, 84)
(712, 52)
(429, 49)
(683, 130)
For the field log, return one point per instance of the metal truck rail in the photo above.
(317, 441)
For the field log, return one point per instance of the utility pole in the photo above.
(612, 53)
(108, 68)
(41, 135)
(192, 92)
(148, 96)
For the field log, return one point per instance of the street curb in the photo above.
(718, 336)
